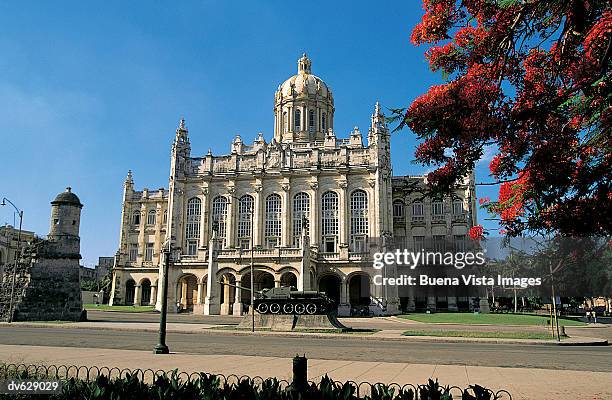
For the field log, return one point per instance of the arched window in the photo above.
(298, 119)
(136, 218)
(165, 221)
(418, 211)
(192, 225)
(285, 121)
(437, 209)
(272, 231)
(329, 221)
(458, 210)
(398, 210)
(151, 217)
(323, 122)
(311, 119)
(245, 210)
(359, 221)
(301, 212)
(219, 217)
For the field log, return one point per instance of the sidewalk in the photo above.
(522, 383)
(386, 334)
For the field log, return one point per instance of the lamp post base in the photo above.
(161, 349)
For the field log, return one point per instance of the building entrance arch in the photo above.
(330, 284)
(130, 290)
(263, 280)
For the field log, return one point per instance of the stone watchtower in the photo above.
(65, 221)
(47, 285)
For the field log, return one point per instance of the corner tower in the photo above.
(303, 107)
(65, 222)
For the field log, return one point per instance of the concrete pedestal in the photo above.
(225, 309)
(237, 309)
(292, 322)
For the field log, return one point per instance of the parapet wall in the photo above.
(47, 286)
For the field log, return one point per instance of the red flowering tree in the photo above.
(531, 79)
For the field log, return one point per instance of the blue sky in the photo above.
(89, 90)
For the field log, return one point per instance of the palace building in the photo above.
(309, 207)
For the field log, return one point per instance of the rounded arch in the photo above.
(227, 290)
(359, 289)
(263, 280)
(398, 208)
(136, 217)
(226, 271)
(130, 290)
(263, 268)
(145, 292)
(331, 284)
(187, 291)
(151, 216)
(288, 279)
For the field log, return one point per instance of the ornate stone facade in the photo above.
(316, 208)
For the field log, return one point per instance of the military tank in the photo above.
(288, 300)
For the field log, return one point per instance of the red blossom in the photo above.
(531, 78)
(494, 165)
(476, 232)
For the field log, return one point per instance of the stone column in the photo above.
(431, 303)
(277, 282)
(153, 296)
(286, 216)
(411, 304)
(159, 221)
(230, 234)
(343, 217)
(141, 234)
(257, 218)
(237, 308)
(137, 294)
(184, 288)
(315, 213)
(200, 297)
(344, 308)
(204, 219)
(212, 304)
(225, 306)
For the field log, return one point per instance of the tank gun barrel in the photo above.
(238, 287)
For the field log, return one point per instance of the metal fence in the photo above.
(65, 372)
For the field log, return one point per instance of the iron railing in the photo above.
(65, 372)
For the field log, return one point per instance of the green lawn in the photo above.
(475, 334)
(104, 307)
(488, 319)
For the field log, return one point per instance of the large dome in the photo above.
(304, 83)
(303, 107)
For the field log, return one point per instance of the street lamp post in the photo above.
(161, 347)
(20, 213)
(252, 308)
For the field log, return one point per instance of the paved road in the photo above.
(604, 331)
(350, 349)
